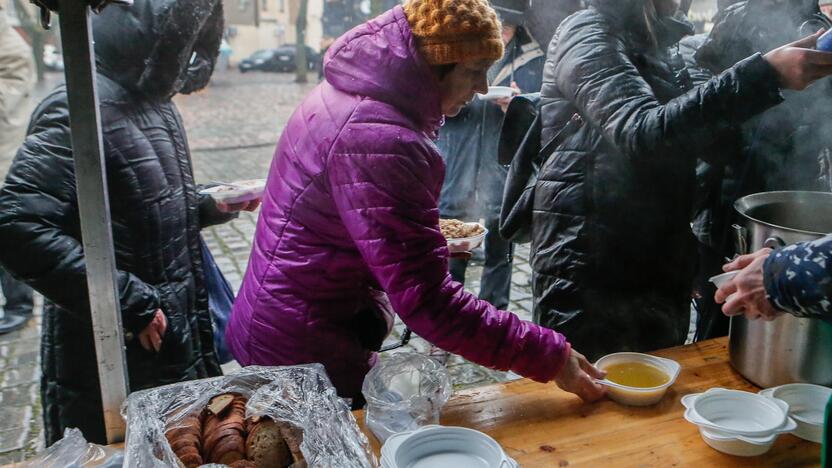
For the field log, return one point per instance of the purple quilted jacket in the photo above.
(350, 209)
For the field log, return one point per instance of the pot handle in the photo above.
(740, 239)
(774, 242)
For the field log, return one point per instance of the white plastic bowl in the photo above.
(807, 405)
(635, 396)
(223, 193)
(734, 445)
(467, 244)
(736, 412)
(736, 422)
(498, 92)
(723, 278)
(444, 447)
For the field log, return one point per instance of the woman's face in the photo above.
(457, 87)
(667, 7)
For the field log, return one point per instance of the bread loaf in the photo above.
(265, 445)
(223, 434)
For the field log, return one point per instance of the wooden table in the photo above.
(541, 426)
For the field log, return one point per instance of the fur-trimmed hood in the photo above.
(159, 47)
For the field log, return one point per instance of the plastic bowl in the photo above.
(736, 412)
(444, 447)
(738, 423)
(736, 446)
(467, 244)
(719, 280)
(637, 396)
(807, 405)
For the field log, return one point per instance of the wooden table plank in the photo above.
(540, 425)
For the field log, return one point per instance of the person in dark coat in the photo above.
(146, 53)
(785, 148)
(474, 179)
(613, 255)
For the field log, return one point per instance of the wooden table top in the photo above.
(540, 425)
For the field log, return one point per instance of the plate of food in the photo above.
(462, 236)
(237, 192)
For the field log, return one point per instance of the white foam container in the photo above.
(498, 92)
(253, 191)
(467, 244)
(736, 422)
(807, 405)
(444, 447)
(637, 396)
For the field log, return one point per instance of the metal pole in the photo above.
(94, 208)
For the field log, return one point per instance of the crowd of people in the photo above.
(655, 132)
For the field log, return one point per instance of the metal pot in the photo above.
(788, 349)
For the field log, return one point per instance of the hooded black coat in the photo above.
(613, 255)
(143, 54)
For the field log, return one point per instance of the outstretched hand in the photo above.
(578, 376)
(798, 65)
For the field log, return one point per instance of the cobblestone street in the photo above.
(232, 128)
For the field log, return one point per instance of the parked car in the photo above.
(281, 59)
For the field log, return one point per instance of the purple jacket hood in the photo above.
(379, 60)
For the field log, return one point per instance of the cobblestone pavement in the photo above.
(232, 128)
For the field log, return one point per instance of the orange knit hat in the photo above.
(449, 31)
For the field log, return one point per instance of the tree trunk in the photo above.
(301, 63)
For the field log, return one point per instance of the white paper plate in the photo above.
(498, 92)
(467, 244)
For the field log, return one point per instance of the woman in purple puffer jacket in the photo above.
(349, 227)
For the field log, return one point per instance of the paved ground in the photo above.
(232, 129)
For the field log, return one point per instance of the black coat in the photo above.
(143, 53)
(612, 251)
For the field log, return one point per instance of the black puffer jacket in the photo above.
(613, 254)
(142, 53)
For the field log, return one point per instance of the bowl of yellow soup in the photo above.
(637, 379)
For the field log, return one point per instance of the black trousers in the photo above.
(18, 295)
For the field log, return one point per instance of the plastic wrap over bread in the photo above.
(255, 417)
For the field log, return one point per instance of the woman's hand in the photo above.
(235, 207)
(798, 64)
(578, 375)
(745, 294)
(151, 337)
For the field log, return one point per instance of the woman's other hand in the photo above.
(745, 294)
(578, 376)
(798, 64)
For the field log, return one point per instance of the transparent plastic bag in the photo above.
(404, 392)
(300, 395)
(74, 451)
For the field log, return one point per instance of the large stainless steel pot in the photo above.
(789, 349)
